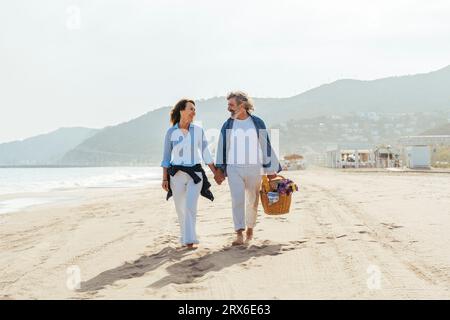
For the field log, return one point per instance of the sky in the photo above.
(92, 63)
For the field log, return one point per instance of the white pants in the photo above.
(185, 194)
(245, 183)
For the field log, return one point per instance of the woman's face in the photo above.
(188, 113)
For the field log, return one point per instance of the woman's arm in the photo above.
(167, 154)
(213, 168)
(165, 180)
(218, 176)
(206, 155)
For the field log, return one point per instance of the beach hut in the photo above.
(386, 157)
(418, 157)
(350, 156)
(293, 162)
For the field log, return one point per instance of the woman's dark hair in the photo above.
(175, 114)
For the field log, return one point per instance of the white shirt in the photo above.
(244, 148)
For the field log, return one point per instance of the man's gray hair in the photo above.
(242, 97)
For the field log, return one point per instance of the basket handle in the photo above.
(276, 177)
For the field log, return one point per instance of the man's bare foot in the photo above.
(249, 234)
(190, 246)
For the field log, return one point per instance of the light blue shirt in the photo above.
(185, 150)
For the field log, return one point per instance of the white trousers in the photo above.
(185, 194)
(245, 183)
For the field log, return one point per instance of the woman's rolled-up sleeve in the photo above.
(167, 150)
(205, 150)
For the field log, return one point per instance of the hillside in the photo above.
(43, 149)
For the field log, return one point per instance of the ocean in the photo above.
(15, 182)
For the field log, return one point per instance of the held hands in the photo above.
(219, 177)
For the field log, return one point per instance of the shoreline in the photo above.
(23, 187)
(28, 201)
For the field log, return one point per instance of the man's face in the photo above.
(234, 108)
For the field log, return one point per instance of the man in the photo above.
(244, 154)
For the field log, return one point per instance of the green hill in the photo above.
(43, 149)
(139, 141)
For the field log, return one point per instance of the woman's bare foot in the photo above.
(239, 239)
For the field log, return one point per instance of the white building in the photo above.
(418, 157)
(350, 155)
(417, 149)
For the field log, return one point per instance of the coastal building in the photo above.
(386, 157)
(418, 151)
(350, 155)
(418, 157)
(293, 162)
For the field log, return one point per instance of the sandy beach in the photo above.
(349, 235)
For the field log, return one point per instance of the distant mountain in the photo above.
(414, 93)
(44, 149)
(441, 130)
(139, 141)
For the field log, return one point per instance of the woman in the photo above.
(185, 145)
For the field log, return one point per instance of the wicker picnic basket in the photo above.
(282, 206)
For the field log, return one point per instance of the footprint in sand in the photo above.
(298, 242)
(288, 249)
(184, 289)
(391, 226)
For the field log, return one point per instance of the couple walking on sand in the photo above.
(244, 154)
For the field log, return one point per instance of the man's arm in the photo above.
(220, 153)
(271, 165)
